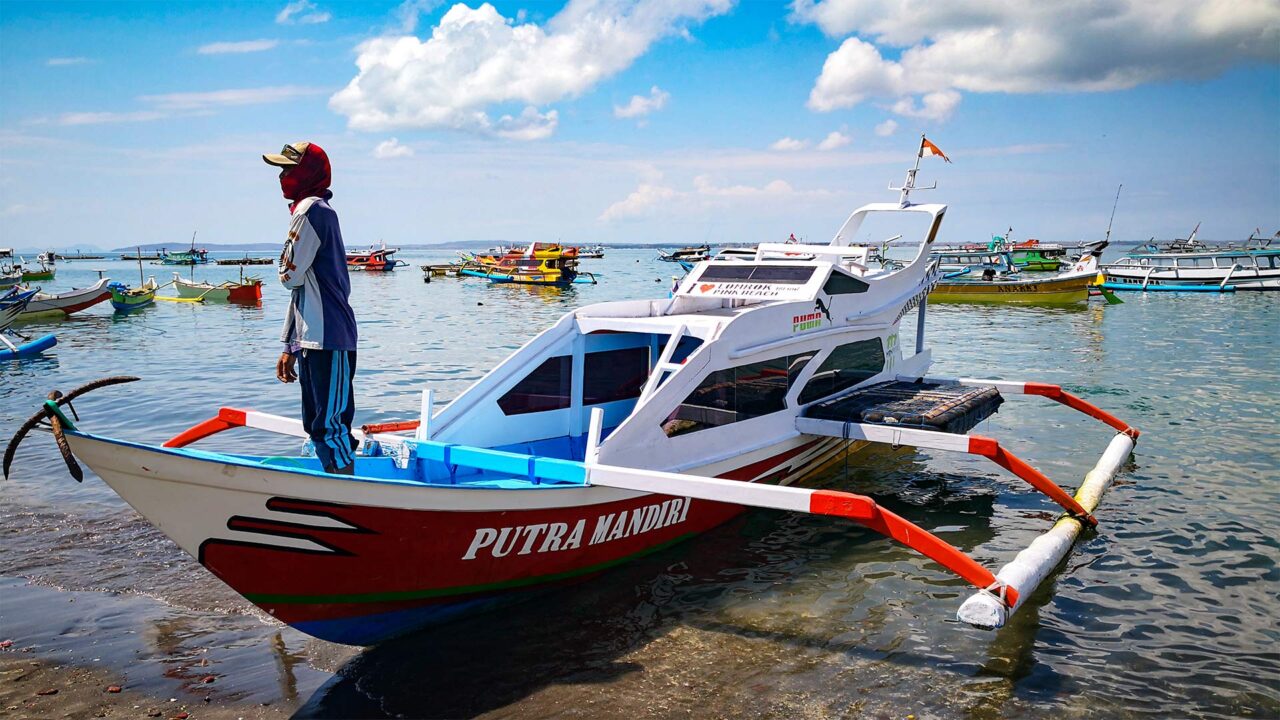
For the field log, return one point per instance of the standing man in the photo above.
(319, 326)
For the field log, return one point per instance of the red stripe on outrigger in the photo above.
(990, 448)
(864, 511)
(1056, 393)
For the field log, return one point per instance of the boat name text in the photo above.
(556, 536)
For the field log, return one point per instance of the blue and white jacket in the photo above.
(314, 266)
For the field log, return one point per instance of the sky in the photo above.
(674, 122)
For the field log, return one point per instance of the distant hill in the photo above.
(212, 247)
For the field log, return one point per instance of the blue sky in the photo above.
(665, 121)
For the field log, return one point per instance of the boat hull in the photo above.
(1047, 291)
(64, 304)
(357, 562)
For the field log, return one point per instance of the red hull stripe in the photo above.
(456, 592)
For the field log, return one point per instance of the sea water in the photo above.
(1168, 609)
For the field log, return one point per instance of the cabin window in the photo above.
(841, 284)
(845, 367)
(735, 394)
(546, 388)
(771, 274)
(613, 375)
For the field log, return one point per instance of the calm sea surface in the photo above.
(1169, 610)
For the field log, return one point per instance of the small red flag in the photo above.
(928, 148)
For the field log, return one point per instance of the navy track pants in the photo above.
(328, 404)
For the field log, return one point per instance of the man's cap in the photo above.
(289, 156)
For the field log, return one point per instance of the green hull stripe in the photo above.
(272, 599)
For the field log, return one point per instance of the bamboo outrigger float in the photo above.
(623, 428)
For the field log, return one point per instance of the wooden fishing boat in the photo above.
(12, 305)
(40, 274)
(47, 305)
(1196, 268)
(248, 291)
(623, 428)
(9, 277)
(1035, 256)
(538, 264)
(688, 254)
(126, 299)
(374, 260)
(995, 283)
(194, 256)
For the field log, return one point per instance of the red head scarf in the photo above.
(309, 178)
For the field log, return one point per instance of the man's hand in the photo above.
(284, 368)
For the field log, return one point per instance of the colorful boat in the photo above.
(374, 259)
(1037, 256)
(126, 299)
(623, 428)
(248, 291)
(538, 264)
(999, 283)
(43, 273)
(46, 305)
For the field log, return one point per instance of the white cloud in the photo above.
(476, 59)
(834, 141)
(410, 10)
(789, 144)
(648, 198)
(887, 128)
(242, 46)
(392, 149)
(639, 106)
(640, 202)
(933, 106)
(65, 61)
(530, 125)
(302, 12)
(222, 98)
(994, 46)
(101, 118)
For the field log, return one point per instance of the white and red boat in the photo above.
(621, 429)
(46, 305)
(374, 259)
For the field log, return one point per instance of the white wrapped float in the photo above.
(986, 609)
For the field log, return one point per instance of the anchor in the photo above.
(52, 417)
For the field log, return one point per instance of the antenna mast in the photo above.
(1113, 212)
(910, 183)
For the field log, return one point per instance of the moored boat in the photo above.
(248, 291)
(688, 254)
(40, 273)
(999, 283)
(621, 429)
(49, 305)
(1202, 269)
(9, 276)
(126, 299)
(374, 259)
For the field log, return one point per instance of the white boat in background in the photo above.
(621, 429)
(1203, 269)
(50, 305)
